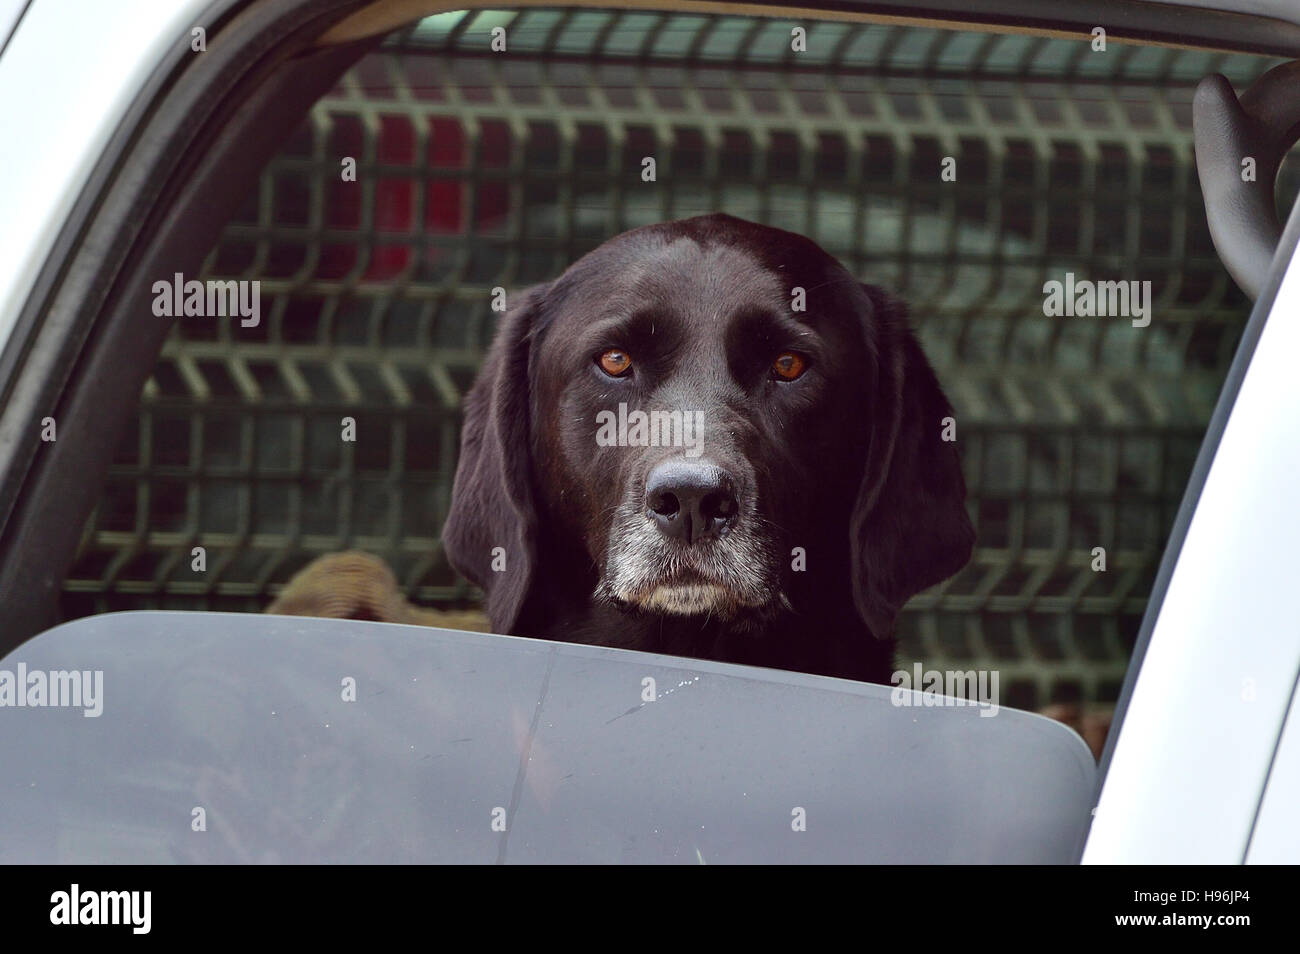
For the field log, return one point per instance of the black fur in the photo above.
(847, 462)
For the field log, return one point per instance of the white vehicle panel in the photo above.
(67, 77)
(1276, 840)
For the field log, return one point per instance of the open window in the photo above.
(475, 172)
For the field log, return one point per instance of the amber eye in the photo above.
(788, 366)
(615, 363)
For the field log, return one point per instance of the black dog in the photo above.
(791, 492)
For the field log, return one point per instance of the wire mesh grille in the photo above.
(478, 169)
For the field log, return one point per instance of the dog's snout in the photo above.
(689, 501)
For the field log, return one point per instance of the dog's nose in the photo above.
(689, 500)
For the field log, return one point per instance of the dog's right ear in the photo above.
(490, 536)
(909, 529)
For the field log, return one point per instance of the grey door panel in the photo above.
(245, 718)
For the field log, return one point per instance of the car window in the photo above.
(984, 179)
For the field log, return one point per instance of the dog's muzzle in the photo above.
(688, 543)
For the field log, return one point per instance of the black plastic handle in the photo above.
(1262, 126)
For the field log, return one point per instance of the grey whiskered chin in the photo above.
(684, 599)
(731, 575)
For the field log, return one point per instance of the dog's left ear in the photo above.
(490, 536)
(909, 528)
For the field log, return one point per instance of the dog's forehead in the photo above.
(709, 280)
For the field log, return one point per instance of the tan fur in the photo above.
(357, 585)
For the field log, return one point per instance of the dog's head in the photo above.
(706, 418)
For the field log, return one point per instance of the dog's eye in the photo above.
(615, 363)
(788, 366)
